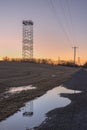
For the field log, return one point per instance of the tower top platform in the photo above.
(27, 22)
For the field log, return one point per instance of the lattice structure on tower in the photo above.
(27, 48)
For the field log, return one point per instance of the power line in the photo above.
(71, 21)
(66, 19)
(54, 11)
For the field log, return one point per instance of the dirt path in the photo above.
(74, 116)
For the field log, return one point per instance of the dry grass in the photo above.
(44, 77)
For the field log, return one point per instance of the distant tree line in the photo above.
(85, 65)
(44, 61)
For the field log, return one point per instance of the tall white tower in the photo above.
(27, 48)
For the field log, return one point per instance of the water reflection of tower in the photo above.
(28, 110)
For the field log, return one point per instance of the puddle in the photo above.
(15, 90)
(65, 90)
(19, 89)
(33, 114)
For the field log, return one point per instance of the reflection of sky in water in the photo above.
(41, 106)
(19, 89)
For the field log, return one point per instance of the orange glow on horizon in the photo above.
(54, 60)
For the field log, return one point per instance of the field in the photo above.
(41, 76)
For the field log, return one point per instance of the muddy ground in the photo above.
(73, 116)
(42, 76)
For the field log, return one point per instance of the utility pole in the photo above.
(75, 54)
(79, 61)
(58, 60)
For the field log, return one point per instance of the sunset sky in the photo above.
(58, 26)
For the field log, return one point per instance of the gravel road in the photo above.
(74, 116)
